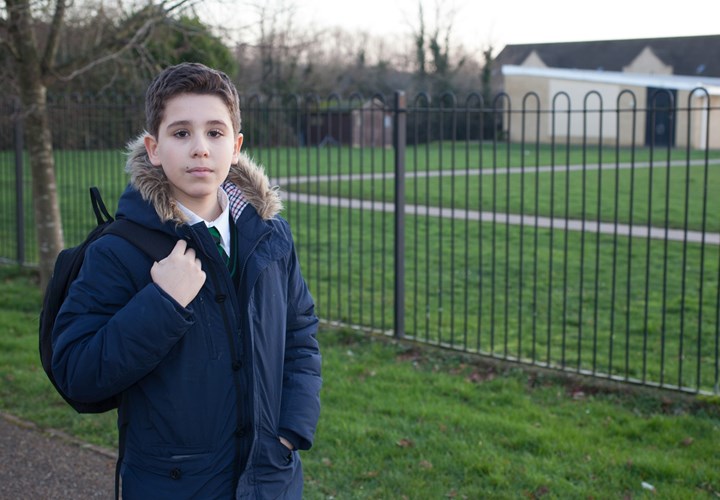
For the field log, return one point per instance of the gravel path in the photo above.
(43, 465)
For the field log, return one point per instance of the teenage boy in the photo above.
(213, 348)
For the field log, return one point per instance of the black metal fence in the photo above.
(580, 236)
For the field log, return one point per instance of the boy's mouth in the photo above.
(199, 172)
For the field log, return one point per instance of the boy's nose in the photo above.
(199, 148)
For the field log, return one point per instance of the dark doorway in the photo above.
(660, 121)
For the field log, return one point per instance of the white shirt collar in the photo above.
(222, 223)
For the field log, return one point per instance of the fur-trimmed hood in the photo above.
(246, 181)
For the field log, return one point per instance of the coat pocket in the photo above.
(274, 472)
(177, 473)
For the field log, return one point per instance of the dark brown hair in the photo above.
(189, 78)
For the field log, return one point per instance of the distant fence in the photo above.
(518, 229)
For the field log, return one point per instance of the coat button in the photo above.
(240, 432)
(175, 474)
(236, 365)
(220, 298)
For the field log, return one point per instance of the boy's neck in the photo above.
(209, 211)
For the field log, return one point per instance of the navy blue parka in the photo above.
(207, 389)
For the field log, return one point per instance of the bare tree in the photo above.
(419, 37)
(434, 62)
(279, 46)
(37, 65)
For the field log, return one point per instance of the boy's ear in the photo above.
(236, 149)
(151, 147)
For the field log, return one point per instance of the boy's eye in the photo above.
(181, 133)
(215, 133)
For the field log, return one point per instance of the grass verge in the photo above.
(401, 421)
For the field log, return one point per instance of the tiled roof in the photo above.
(694, 55)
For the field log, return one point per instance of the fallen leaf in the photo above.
(405, 443)
(477, 376)
(648, 486)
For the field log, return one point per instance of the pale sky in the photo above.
(479, 23)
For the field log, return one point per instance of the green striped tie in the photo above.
(216, 238)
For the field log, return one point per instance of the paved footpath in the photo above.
(42, 465)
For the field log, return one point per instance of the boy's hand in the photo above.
(179, 274)
(287, 443)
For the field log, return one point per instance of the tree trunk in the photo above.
(48, 225)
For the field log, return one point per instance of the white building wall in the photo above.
(616, 93)
(595, 122)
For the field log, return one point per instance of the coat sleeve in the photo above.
(302, 378)
(108, 333)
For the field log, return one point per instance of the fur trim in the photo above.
(154, 186)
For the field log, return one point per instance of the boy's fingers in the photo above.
(180, 247)
(190, 252)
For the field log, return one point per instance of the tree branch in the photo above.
(53, 37)
(87, 63)
(5, 46)
(117, 44)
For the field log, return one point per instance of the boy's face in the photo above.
(195, 146)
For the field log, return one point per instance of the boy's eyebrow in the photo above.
(187, 123)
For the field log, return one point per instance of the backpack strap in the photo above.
(122, 438)
(98, 205)
(156, 244)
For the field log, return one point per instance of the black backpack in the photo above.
(67, 266)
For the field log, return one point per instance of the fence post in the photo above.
(19, 181)
(399, 144)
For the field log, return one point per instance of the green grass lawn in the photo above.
(618, 306)
(78, 170)
(632, 308)
(673, 197)
(459, 155)
(404, 421)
